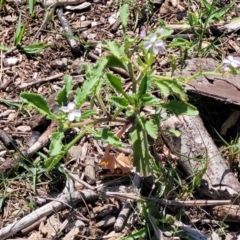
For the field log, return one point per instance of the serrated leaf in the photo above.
(124, 13)
(180, 108)
(115, 82)
(145, 85)
(171, 87)
(140, 156)
(118, 101)
(151, 128)
(150, 100)
(115, 62)
(88, 113)
(178, 90)
(56, 145)
(164, 88)
(38, 102)
(109, 137)
(93, 76)
(116, 49)
(62, 97)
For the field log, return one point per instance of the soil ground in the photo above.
(43, 72)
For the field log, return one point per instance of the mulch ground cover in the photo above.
(26, 186)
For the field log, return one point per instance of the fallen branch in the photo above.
(73, 198)
(194, 147)
(40, 81)
(68, 32)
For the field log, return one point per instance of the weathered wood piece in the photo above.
(59, 3)
(193, 146)
(228, 213)
(72, 198)
(226, 89)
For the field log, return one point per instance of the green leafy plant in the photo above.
(208, 13)
(2, 3)
(31, 5)
(19, 33)
(136, 58)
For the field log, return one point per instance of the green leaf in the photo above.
(124, 13)
(56, 150)
(115, 62)
(145, 85)
(180, 108)
(3, 48)
(140, 155)
(173, 132)
(166, 32)
(150, 100)
(33, 48)
(19, 32)
(88, 113)
(52, 161)
(56, 145)
(118, 101)
(93, 77)
(139, 234)
(62, 97)
(173, 87)
(115, 82)
(38, 102)
(219, 13)
(179, 42)
(151, 128)
(178, 90)
(164, 88)
(31, 4)
(116, 49)
(109, 137)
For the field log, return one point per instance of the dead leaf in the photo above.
(122, 162)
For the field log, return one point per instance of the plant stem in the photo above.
(96, 121)
(187, 80)
(131, 73)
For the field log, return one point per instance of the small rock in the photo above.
(11, 61)
(91, 36)
(74, 152)
(82, 6)
(93, 24)
(59, 63)
(11, 19)
(113, 18)
(24, 128)
(102, 19)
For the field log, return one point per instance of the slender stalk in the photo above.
(95, 121)
(131, 73)
(202, 74)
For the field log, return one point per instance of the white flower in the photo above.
(231, 61)
(226, 68)
(154, 43)
(72, 112)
